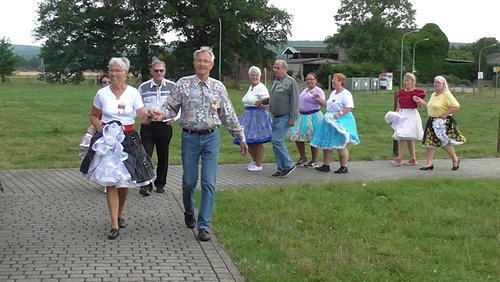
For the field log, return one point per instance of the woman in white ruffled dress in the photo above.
(116, 158)
(441, 128)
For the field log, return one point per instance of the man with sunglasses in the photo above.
(157, 133)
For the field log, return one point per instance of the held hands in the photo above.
(155, 115)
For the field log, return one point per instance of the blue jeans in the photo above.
(280, 129)
(194, 147)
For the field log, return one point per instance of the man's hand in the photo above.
(243, 148)
(155, 115)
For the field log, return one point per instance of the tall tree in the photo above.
(246, 27)
(431, 53)
(8, 59)
(368, 29)
(486, 44)
(85, 34)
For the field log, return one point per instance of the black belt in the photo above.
(199, 131)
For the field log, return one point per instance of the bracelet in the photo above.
(341, 113)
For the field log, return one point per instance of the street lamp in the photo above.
(401, 66)
(413, 60)
(479, 73)
(220, 47)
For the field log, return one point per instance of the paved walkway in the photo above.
(54, 223)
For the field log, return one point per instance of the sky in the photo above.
(461, 22)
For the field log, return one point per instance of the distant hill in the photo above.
(26, 51)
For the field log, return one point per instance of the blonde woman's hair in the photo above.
(443, 81)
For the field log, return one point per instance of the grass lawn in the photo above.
(42, 126)
(426, 230)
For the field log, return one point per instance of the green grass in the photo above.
(425, 230)
(432, 230)
(43, 124)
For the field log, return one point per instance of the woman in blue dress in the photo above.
(338, 128)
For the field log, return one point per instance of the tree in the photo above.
(83, 34)
(367, 29)
(247, 27)
(431, 53)
(483, 44)
(8, 59)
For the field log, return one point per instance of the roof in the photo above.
(312, 61)
(307, 50)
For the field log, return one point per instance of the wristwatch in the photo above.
(341, 113)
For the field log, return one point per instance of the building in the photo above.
(304, 57)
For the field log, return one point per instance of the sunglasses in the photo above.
(106, 82)
(159, 70)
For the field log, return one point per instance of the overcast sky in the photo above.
(463, 22)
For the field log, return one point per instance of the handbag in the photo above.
(85, 141)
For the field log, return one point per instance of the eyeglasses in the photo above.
(115, 71)
(276, 68)
(159, 70)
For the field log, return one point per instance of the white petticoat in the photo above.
(107, 167)
(406, 123)
(439, 126)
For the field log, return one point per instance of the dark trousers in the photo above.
(159, 134)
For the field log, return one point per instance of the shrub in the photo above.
(465, 82)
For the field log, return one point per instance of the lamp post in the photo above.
(401, 66)
(220, 47)
(479, 73)
(413, 60)
(395, 142)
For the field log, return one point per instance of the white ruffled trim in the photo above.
(329, 117)
(107, 167)
(439, 126)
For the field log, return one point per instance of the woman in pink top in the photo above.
(308, 121)
(411, 126)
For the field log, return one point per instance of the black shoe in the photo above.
(121, 222)
(113, 234)
(431, 167)
(276, 174)
(144, 190)
(323, 168)
(457, 166)
(203, 235)
(342, 169)
(301, 161)
(160, 189)
(190, 220)
(287, 172)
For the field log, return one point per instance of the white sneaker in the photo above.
(251, 164)
(255, 168)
